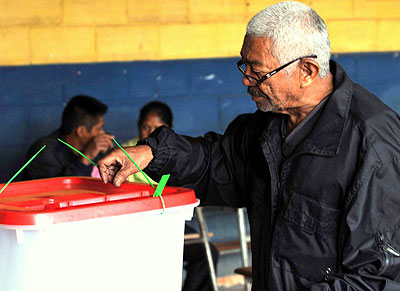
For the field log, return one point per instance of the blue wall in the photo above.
(203, 94)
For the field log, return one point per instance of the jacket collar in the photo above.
(326, 136)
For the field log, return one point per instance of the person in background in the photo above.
(317, 166)
(153, 115)
(82, 127)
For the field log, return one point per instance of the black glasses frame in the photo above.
(270, 74)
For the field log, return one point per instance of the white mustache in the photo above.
(254, 93)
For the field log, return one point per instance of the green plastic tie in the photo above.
(147, 178)
(160, 189)
(70, 146)
(20, 170)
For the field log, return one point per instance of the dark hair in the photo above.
(81, 110)
(159, 108)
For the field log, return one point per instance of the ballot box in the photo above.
(76, 233)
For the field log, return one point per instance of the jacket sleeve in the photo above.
(370, 240)
(206, 164)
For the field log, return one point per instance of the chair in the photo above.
(246, 270)
(204, 237)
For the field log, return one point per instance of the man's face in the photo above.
(274, 94)
(97, 129)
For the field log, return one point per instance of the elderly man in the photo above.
(317, 166)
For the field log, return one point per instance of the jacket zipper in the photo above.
(387, 247)
(388, 252)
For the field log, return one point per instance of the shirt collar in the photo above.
(322, 132)
(326, 136)
(300, 132)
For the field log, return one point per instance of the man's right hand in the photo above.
(116, 167)
(100, 143)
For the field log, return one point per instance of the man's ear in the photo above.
(309, 72)
(81, 131)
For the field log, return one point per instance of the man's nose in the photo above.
(247, 82)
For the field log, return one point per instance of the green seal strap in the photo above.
(70, 146)
(20, 170)
(160, 187)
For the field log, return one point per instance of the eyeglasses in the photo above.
(242, 68)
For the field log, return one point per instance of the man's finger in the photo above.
(105, 142)
(110, 136)
(103, 173)
(107, 173)
(121, 176)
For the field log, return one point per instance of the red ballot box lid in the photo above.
(67, 199)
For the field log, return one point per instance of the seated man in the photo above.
(81, 127)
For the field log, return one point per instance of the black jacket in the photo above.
(328, 218)
(56, 160)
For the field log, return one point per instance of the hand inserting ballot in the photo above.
(116, 166)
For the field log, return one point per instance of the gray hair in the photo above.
(295, 30)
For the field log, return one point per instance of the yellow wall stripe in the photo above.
(74, 31)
